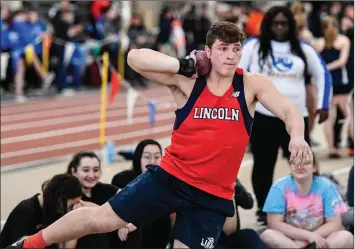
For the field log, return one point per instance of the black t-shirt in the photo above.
(100, 194)
(24, 219)
(155, 235)
(121, 179)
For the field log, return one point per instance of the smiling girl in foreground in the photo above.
(86, 167)
(305, 208)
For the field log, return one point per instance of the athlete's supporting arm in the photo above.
(159, 67)
(266, 93)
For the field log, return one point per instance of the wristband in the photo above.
(187, 67)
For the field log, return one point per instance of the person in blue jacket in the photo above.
(20, 36)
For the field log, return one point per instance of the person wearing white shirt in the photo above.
(279, 54)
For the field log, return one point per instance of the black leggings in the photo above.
(268, 134)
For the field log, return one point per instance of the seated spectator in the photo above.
(348, 217)
(86, 167)
(155, 235)
(147, 151)
(234, 237)
(59, 196)
(304, 208)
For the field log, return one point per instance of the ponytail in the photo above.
(330, 31)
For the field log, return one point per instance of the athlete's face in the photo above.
(279, 27)
(151, 155)
(224, 57)
(88, 172)
(303, 171)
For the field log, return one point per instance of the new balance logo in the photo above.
(235, 94)
(208, 243)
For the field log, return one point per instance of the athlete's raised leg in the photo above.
(81, 222)
(140, 202)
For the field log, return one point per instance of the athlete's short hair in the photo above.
(225, 31)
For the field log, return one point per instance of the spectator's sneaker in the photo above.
(21, 99)
(48, 81)
(18, 244)
(38, 92)
(68, 92)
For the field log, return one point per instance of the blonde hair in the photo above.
(300, 21)
(330, 31)
(299, 14)
(297, 8)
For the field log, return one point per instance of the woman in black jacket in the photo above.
(86, 167)
(155, 235)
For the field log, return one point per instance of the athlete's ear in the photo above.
(208, 51)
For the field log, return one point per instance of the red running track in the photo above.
(59, 127)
